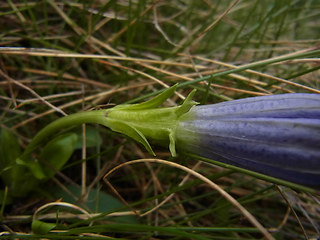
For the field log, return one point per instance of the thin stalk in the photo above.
(72, 120)
(253, 65)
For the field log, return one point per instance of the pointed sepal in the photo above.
(132, 132)
(187, 104)
(152, 103)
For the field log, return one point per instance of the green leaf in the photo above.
(92, 135)
(16, 176)
(39, 227)
(25, 174)
(20, 180)
(57, 152)
(9, 149)
(33, 166)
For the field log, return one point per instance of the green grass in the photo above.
(62, 57)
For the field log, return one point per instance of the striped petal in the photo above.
(277, 135)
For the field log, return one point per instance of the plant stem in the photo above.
(73, 120)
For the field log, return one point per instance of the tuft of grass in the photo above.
(62, 57)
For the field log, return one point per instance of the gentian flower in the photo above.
(276, 135)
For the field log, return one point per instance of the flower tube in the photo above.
(277, 135)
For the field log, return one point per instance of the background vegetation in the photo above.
(62, 57)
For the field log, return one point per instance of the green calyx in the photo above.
(138, 121)
(147, 120)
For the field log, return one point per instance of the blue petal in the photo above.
(278, 135)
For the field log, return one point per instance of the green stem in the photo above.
(73, 120)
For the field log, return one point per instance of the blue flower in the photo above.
(277, 135)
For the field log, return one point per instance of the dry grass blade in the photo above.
(293, 211)
(79, 101)
(59, 204)
(32, 92)
(216, 187)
